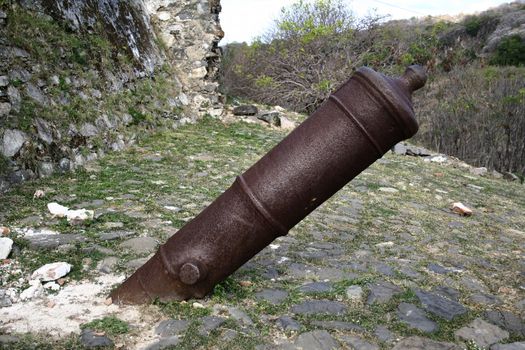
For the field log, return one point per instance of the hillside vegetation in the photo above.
(472, 108)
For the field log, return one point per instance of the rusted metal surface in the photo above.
(359, 123)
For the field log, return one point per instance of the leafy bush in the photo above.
(480, 25)
(477, 116)
(510, 52)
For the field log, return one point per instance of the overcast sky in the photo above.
(243, 20)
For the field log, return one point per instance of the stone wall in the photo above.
(191, 31)
(75, 74)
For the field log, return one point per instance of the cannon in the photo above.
(353, 128)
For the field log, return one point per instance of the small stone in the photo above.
(45, 169)
(483, 334)
(75, 217)
(384, 334)
(108, 301)
(447, 292)
(110, 236)
(136, 263)
(287, 323)
(169, 328)
(54, 80)
(52, 286)
(64, 164)
(5, 109)
(5, 300)
(510, 346)
(88, 130)
(484, 299)
(92, 340)
(108, 264)
(39, 194)
(272, 296)
(272, 118)
(15, 98)
(4, 81)
(50, 241)
(506, 320)
(140, 245)
(439, 269)
(209, 324)
(4, 231)
(36, 94)
(45, 133)
(461, 209)
(338, 325)
(415, 318)
(354, 293)
(312, 307)
(400, 149)
(388, 189)
(419, 343)
(440, 306)
(196, 305)
(316, 287)
(316, 340)
(240, 316)
(8, 339)
(479, 171)
(12, 142)
(34, 291)
(287, 124)
(51, 272)
(358, 343)
(6, 244)
(245, 110)
(164, 15)
(165, 343)
(382, 292)
(510, 177)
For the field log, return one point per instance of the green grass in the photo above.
(109, 325)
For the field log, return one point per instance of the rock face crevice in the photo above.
(94, 67)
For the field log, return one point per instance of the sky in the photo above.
(243, 20)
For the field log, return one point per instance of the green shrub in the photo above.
(510, 52)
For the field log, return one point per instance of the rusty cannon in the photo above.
(357, 125)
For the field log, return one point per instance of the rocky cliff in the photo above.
(78, 78)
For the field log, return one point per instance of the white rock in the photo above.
(79, 215)
(39, 194)
(287, 124)
(385, 245)
(388, 189)
(34, 291)
(436, 159)
(52, 286)
(5, 247)
(12, 141)
(51, 272)
(57, 210)
(354, 293)
(461, 209)
(479, 171)
(164, 15)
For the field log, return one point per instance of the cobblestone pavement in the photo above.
(384, 264)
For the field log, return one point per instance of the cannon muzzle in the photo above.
(357, 125)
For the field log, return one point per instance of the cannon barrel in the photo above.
(357, 125)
